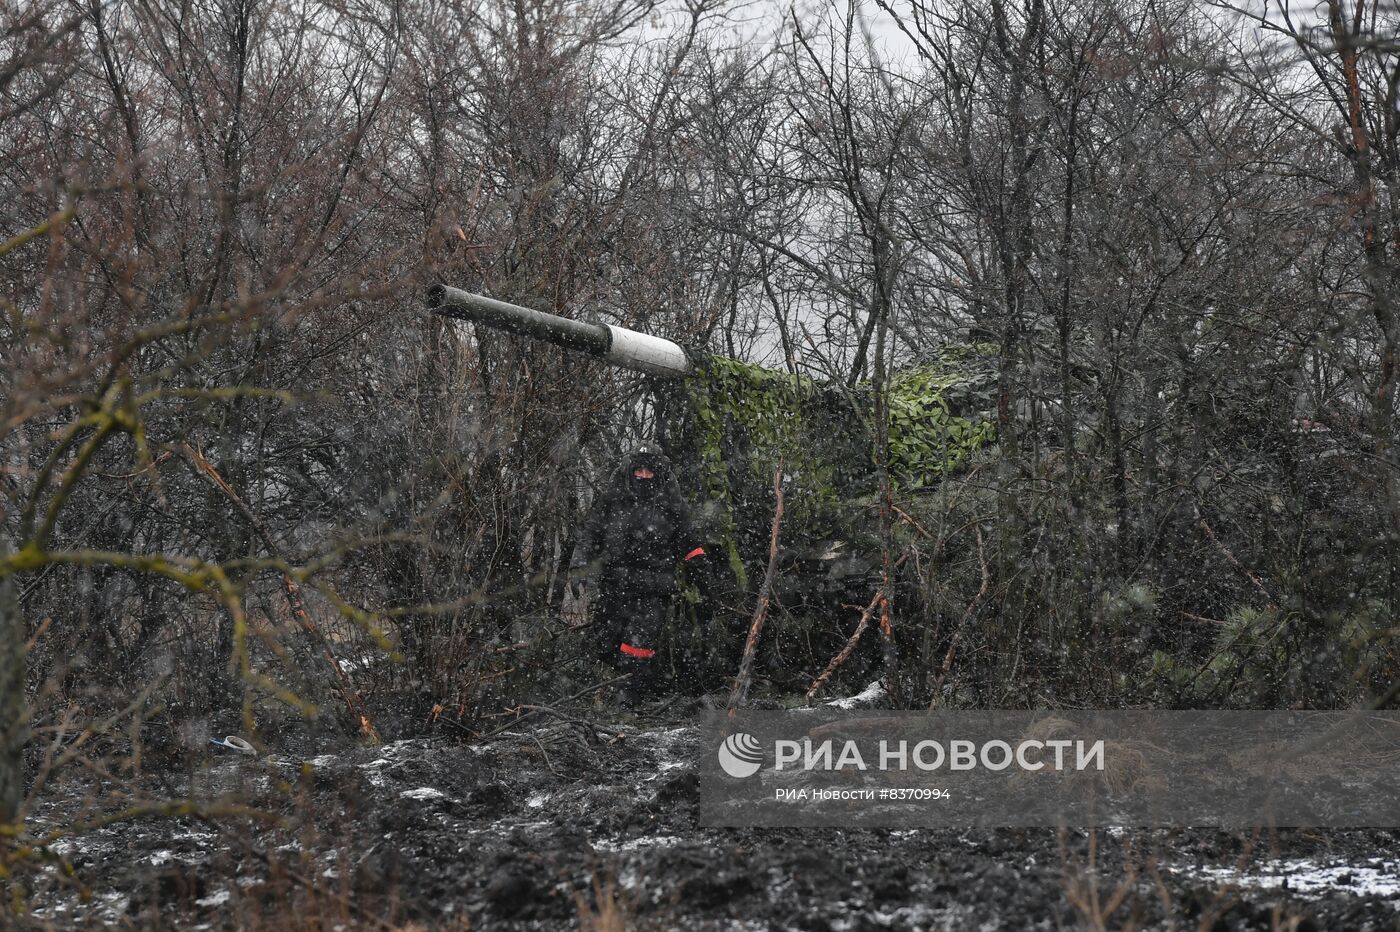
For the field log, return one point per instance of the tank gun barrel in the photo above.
(630, 349)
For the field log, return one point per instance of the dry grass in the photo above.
(609, 911)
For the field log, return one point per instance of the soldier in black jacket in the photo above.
(637, 533)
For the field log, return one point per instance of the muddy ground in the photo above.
(591, 818)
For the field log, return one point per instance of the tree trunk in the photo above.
(14, 714)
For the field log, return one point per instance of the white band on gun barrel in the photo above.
(646, 353)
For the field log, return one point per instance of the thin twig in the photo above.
(535, 710)
(765, 592)
(590, 727)
(963, 622)
(1232, 559)
(845, 652)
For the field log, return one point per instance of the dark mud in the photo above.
(560, 823)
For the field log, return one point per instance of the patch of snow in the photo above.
(160, 857)
(218, 899)
(629, 878)
(324, 760)
(117, 902)
(500, 826)
(916, 916)
(671, 753)
(424, 792)
(374, 776)
(669, 735)
(864, 699)
(538, 800)
(1308, 878)
(634, 844)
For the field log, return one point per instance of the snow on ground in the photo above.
(509, 831)
(633, 844)
(865, 699)
(1306, 877)
(423, 792)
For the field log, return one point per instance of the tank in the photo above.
(728, 423)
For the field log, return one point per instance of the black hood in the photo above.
(648, 455)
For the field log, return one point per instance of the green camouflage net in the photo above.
(938, 414)
(743, 419)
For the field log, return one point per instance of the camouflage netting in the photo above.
(742, 419)
(940, 413)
